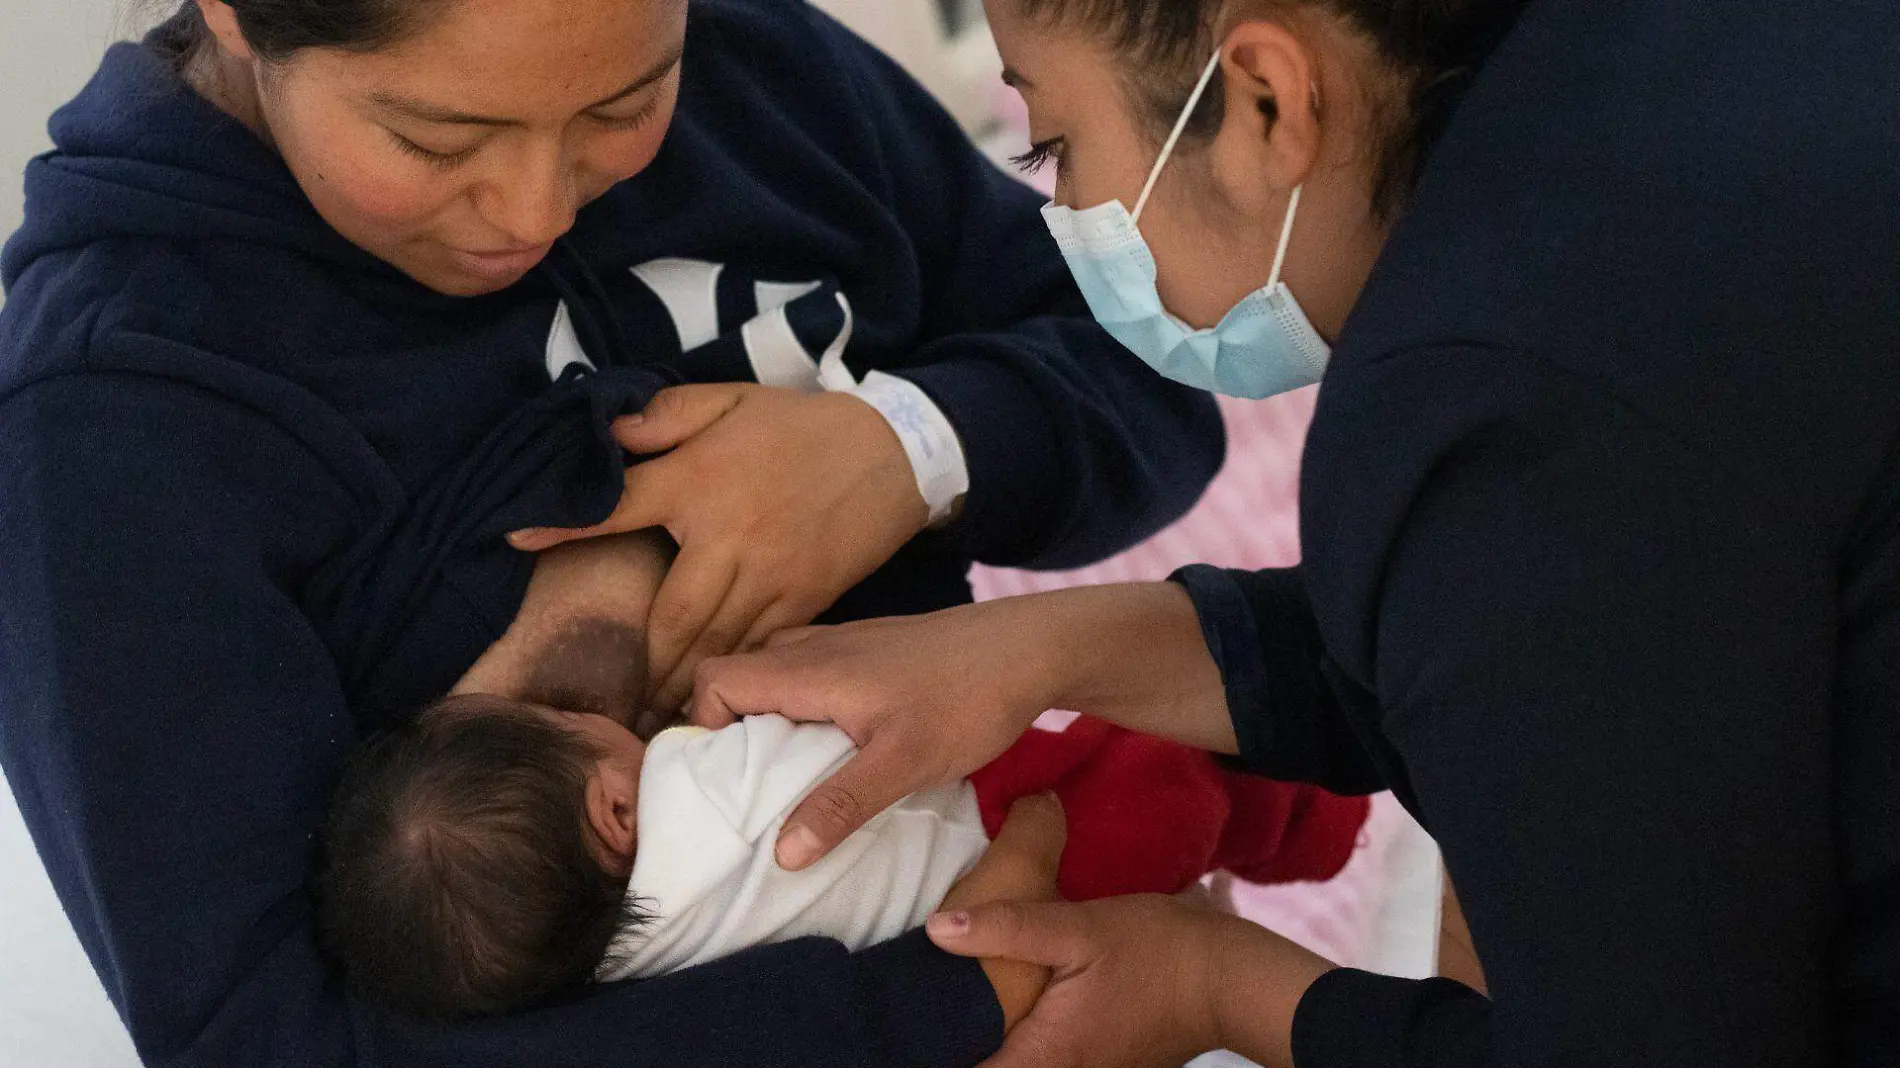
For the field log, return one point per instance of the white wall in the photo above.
(48, 48)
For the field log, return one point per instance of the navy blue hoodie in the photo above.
(255, 483)
(1601, 506)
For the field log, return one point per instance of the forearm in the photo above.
(1259, 979)
(1130, 654)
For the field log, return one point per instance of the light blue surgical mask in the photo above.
(1263, 346)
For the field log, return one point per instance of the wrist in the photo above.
(1120, 639)
(1134, 655)
(1260, 979)
(933, 454)
(890, 465)
(1026, 652)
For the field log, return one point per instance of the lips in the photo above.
(501, 263)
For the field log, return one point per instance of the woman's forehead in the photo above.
(521, 59)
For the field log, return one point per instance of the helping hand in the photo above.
(780, 502)
(1139, 982)
(928, 699)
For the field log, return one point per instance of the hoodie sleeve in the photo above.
(1075, 449)
(1260, 630)
(173, 726)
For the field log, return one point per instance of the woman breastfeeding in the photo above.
(319, 303)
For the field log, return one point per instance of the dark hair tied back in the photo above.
(1437, 45)
(278, 29)
(1442, 44)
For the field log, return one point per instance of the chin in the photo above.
(451, 282)
(468, 287)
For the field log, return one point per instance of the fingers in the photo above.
(788, 614)
(727, 687)
(792, 636)
(687, 601)
(646, 500)
(868, 784)
(1054, 934)
(734, 618)
(676, 414)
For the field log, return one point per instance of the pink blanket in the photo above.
(1249, 518)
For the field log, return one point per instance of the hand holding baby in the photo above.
(906, 692)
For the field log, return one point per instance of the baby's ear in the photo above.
(613, 815)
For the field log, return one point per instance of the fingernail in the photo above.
(523, 539)
(633, 420)
(948, 924)
(797, 848)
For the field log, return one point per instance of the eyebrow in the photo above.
(1015, 80)
(417, 109)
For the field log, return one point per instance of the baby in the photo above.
(520, 838)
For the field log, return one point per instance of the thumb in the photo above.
(676, 414)
(870, 782)
(1053, 934)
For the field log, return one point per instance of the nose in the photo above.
(533, 199)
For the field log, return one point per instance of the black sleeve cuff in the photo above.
(1354, 1019)
(1234, 640)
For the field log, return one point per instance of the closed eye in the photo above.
(1040, 155)
(633, 121)
(429, 156)
(655, 93)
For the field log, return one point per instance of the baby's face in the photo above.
(613, 784)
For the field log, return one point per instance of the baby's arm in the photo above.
(1020, 865)
(578, 642)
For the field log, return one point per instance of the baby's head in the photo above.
(476, 859)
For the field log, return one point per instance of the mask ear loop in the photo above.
(1286, 236)
(1292, 206)
(1174, 138)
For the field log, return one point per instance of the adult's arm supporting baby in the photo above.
(174, 725)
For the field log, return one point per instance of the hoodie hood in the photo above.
(139, 154)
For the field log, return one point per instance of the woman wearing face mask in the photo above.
(319, 301)
(1601, 509)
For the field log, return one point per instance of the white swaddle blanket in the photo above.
(711, 805)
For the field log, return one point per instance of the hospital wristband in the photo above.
(931, 443)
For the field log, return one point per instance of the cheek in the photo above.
(371, 186)
(611, 157)
(356, 179)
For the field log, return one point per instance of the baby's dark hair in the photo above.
(459, 876)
